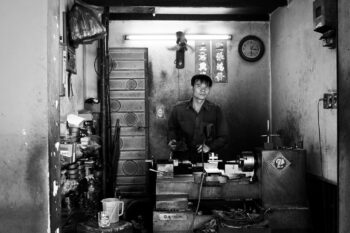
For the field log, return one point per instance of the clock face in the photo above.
(251, 48)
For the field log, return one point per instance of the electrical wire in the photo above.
(111, 66)
(178, 84)
(319, 134)
(202, 154)
(199, 199)
(200, 187)
(95, 66)
(100, 69)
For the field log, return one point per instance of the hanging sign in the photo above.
(219, 53)
(202, 53)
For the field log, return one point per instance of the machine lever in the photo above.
(152, 170)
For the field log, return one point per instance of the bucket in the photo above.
(114, 207)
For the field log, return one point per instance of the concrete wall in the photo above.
(301, 71)
(244, 99)
(24, 199)
(74, 102)
(90, 76)
(343, 117)
(29, 113)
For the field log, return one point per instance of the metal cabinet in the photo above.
(283, 181)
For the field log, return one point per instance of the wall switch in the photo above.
(330, 100)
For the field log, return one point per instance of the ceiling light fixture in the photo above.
(173, 37)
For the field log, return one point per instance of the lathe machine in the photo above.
(267, 185)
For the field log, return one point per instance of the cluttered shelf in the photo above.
(81, 172)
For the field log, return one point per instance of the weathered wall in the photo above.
(301, 71)
(53, 83)
(24, 199)
(343, 117)
(244, 98)
(90, 76)
(29, 112)
(74, 102)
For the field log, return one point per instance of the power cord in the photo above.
(319, 134)
(199, 199)
(202, 154)
(178, 84)
(110, 64)
(200, 187)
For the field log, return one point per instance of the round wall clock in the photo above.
(251, 48)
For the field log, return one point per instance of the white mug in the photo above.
(114, 207)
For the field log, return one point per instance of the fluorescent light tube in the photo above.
(173, 37)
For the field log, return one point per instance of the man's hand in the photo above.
(203, 148)
(172, 144)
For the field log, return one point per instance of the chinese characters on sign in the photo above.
(211, 59)
(202, 57)
(219, 61)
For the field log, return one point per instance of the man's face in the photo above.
(200, 90)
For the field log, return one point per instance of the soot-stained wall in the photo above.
(24, 174)
(74, 101)
(244, 99)
(301, 71)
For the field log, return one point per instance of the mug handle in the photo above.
(122, 208)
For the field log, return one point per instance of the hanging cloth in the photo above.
(84, 23)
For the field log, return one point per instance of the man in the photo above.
(197, 126)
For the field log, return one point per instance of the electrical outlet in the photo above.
(330, 100)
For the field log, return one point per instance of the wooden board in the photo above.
(132, 143)
(129, 119)
(135, 155)
(127, 105)
(130, 131)
(127, 74)
(127, 84)
(128, 95)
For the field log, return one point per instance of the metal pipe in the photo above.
(103, 115)
(103, 47)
